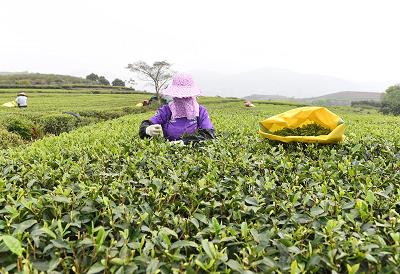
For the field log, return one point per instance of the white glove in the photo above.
(154, 130)
(177, 143)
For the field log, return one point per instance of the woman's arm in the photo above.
(160, 118)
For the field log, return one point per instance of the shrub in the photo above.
(103, 81)
(85, 121)
(9, 139)
(93, 113)
(391, 101)
(366, 104)
(21, 126)
(102, 115)
(118, 83)
(129, 109)
(56, 123)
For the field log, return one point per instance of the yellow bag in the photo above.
(10, 104)
(302, 116)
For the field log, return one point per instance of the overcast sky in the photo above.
(356, 40)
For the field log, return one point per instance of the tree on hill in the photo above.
(118, 83)
(157, 74)
(93, 77)
(103, 81)
(391, 101)
(100, 80)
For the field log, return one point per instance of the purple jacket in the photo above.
(173, 129)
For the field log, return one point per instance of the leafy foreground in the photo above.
(312, 129)
(100, 200)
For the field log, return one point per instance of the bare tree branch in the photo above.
(158, 74)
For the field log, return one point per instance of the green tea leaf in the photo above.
(49, 232)
(209, 249)
(352, 269)
(13, 244)
(117, 261)
(201, 217)
(100, 237)
(234, 265)
(21, 227)
(293, 267)
(183, 243)
(96, 268)
(168, 231)
(315, 211)
(370, 198)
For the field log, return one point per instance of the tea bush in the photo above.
(20, 125)
(101, 200)
(58, 123)
(50, 113)
(8, 139)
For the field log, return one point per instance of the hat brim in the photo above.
(181, 92)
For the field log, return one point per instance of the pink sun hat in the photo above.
(182, 86)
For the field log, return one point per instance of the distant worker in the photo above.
(22, 100)
(164, 99)
(182, 120)
(248, 104)
(153, 100)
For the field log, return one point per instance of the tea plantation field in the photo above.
(49, 112)
(101, 200)
(57, 102)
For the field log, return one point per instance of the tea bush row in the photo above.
(32, 127)
(99, 199)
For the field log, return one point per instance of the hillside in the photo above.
(268, 97)
(10, 73)
(337, 98)
(27, 79)
(344, 98)
(352, 95)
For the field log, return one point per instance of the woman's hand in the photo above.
(154, 130)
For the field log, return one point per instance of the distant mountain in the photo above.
(277, 81)
(345, 98)
(268, 97)
(351, 95)
(337, 98)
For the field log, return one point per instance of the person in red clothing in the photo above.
(248, 104)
